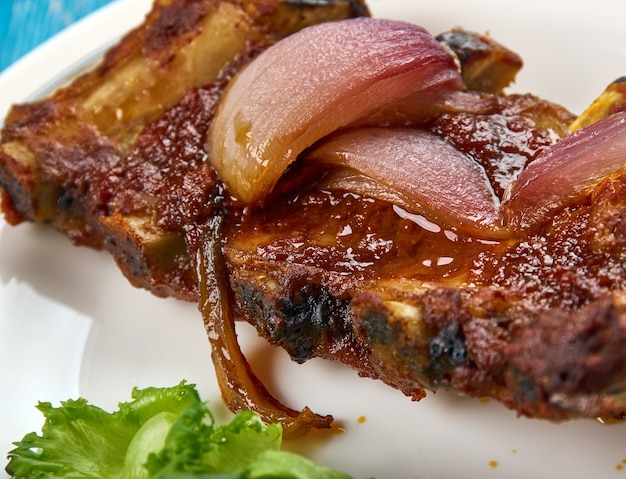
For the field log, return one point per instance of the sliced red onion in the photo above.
(566, 172)
(313, 82)
(418, 171)
(240, 387)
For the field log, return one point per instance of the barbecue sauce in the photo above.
(361, 238)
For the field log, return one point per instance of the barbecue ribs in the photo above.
(116, 161)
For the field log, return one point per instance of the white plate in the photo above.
(71, 325)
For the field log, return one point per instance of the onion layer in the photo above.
(564, 173)
(240, 388)
(419, 171)
(317, 80)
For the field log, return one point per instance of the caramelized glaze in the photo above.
(563, 263)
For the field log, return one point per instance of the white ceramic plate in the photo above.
(71, 325)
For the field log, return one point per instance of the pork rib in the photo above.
(536, 322)
(95, 158)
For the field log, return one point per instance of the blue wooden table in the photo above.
(24, 24)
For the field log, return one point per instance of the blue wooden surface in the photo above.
(24, 24)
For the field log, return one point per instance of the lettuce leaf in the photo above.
(162, 433)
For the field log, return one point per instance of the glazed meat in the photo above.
(105, 159)
(534, 321)
(532, 316)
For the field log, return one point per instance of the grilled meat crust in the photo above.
(535, 322)
(487, 65)
(114, 160)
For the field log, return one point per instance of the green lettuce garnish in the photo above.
(162, 433)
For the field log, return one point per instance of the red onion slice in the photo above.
(420, 172)
(313, 82)
(566, 172)
(240, 388)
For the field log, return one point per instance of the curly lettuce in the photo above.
(162, 433)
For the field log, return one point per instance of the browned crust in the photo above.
(546, 341)
(554, 364)
(97, 155)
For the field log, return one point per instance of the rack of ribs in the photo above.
(117, 161)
